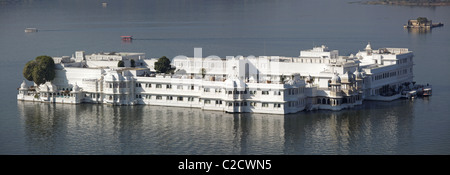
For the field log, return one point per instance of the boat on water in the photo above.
(30, 30)
(409, 94)
(427, 92)
(126, 38)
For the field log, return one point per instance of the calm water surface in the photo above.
(223, 28)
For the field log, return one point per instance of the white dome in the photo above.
(23, 85)
(336, 79)
(76, 88)
(368, 47)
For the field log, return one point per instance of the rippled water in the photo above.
(221, 28)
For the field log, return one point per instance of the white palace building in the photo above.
(318, 79)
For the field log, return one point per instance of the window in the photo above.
(169, 98)
(252, 103)
(244, 103)
(230, 104)
(207, 101)
(206, 90)
(180, 98)
(190, 98)
(218, 102)
(265, 92)
(158, 86)
(265, 105)
(159, 97)
(169, 86)
(237, 104)
(180, 87)
(276, 105)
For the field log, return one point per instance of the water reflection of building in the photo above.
(375, 128)
(418, 30)
(100, 129)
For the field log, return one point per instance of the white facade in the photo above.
(317, 79)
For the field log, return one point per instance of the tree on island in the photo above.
(40, 70)
(422, 20)
(163, 65)
(120, 64)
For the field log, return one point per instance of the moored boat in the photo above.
(427, 92)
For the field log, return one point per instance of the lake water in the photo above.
(223, 28)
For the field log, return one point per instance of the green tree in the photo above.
(132, 63)
(40, 70)
(163, 65)
(28, 70)
(422, 20)
(120, 64)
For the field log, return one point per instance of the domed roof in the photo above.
(23, 85)
(368, 47)
(76, 88)
(336, 79)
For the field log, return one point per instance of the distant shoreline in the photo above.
(404, 3)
